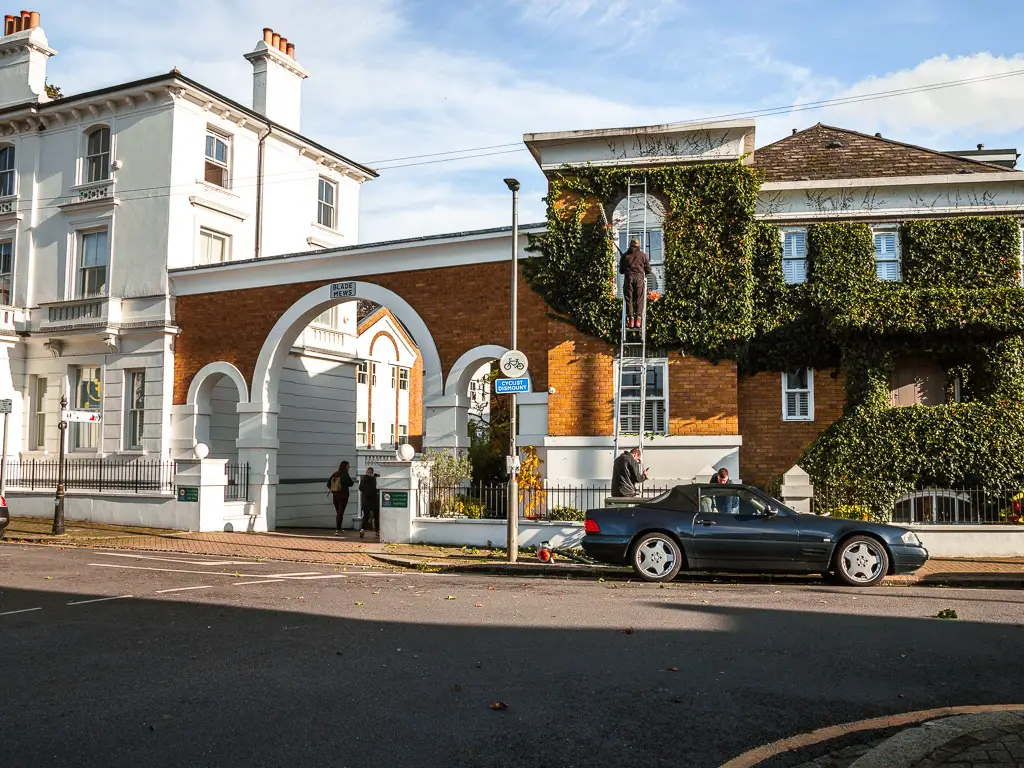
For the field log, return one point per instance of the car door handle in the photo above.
(706, 522)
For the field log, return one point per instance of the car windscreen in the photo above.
(679, 498)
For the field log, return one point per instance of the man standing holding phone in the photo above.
(627, 475)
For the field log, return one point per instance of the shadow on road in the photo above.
(160, 683)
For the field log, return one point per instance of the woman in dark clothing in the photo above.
(370, 502)
(339, 484)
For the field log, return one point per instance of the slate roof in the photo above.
(813, 154)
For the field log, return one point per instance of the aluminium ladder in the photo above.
(633, 341)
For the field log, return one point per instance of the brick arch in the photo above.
(387, 336)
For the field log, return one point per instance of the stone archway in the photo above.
(258, 428)
(191, 422)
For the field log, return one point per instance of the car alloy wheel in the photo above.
(862, 562)
(656, 557)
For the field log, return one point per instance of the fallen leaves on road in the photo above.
(627, 631)
(49, 578)
(499, 705)
(478, 605)
(377, 592)
(360, 603)
(672, 669)
(451, 597)
(946, 613)
(491, 588)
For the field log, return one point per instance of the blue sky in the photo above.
(393, 78)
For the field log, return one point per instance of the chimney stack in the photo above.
(24, 52)
(277, 79)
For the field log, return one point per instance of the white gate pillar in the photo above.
(446, 422)
(257, 446)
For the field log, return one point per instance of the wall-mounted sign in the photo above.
(190, 495)
(6, 406)
(395, 499)
(88, 417)
(343, 290)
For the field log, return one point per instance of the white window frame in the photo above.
(80, 430)
(37, 403)
(211, 160)
(96, 166)
(363, 372)
(361, 434)
(9, 176)
(403, 379)
(394, 377)
(134, 413)
(371, 440)
(393, 434)
(649, 403)
(655, 234)
(373, 375)
(6, 271)
(327, 209)
(403, 434)
(894, 230)
(327, 319)
(799, 273)
(212, 234)
(786, 391)
(81, 267)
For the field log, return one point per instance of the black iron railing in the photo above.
(237, 488)
(971, 505)
(490, 501)
(128, 475)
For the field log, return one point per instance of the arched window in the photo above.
(6, 170)
(97, 154)
(642, 216)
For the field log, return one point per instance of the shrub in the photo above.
(567, 514)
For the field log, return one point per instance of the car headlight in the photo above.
(910, 538)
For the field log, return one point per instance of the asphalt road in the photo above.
(297, 664)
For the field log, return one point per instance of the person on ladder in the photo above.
(635, 265)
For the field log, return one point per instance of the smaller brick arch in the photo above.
(389, 337)
(203, 381)
(469, 363)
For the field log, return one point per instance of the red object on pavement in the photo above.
(544, 555)
(591, 526)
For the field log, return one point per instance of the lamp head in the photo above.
(512, 184)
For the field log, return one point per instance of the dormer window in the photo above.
(97, 155)
(6, 170)
(218, 158)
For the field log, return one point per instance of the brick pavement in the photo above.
(1001, 746)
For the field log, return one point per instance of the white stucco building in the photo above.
(101, 193)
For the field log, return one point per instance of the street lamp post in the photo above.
(58, 502)
(513, 481)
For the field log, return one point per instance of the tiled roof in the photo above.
(826, 152)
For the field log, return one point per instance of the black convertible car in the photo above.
(739, 528)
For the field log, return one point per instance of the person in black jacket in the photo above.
(339, 484)
(370, 502)
(635, 265)
(626, 474)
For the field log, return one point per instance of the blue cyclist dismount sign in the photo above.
(511, 386)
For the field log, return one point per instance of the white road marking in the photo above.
(179, 589)
(99, 600)
(322, 576)
(180, 560)
(261, 581)
(202, 573)
(23, 610)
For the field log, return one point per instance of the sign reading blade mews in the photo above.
(343, 290)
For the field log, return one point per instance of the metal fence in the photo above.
(237, 488)
(490, 501)
(971, 505)
(137, 475)
(125, 475)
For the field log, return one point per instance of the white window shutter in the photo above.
(799, 245)
(800, 271)
(803, 404)
(789, 271)
(791, 404)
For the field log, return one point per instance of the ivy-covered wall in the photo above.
(959, 303)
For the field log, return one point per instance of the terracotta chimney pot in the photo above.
(275, 41)
(268, 35)
(33, 20)
(9, 25)
(282, 46)
(291, 50)
(25, 16)
(17, 23)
